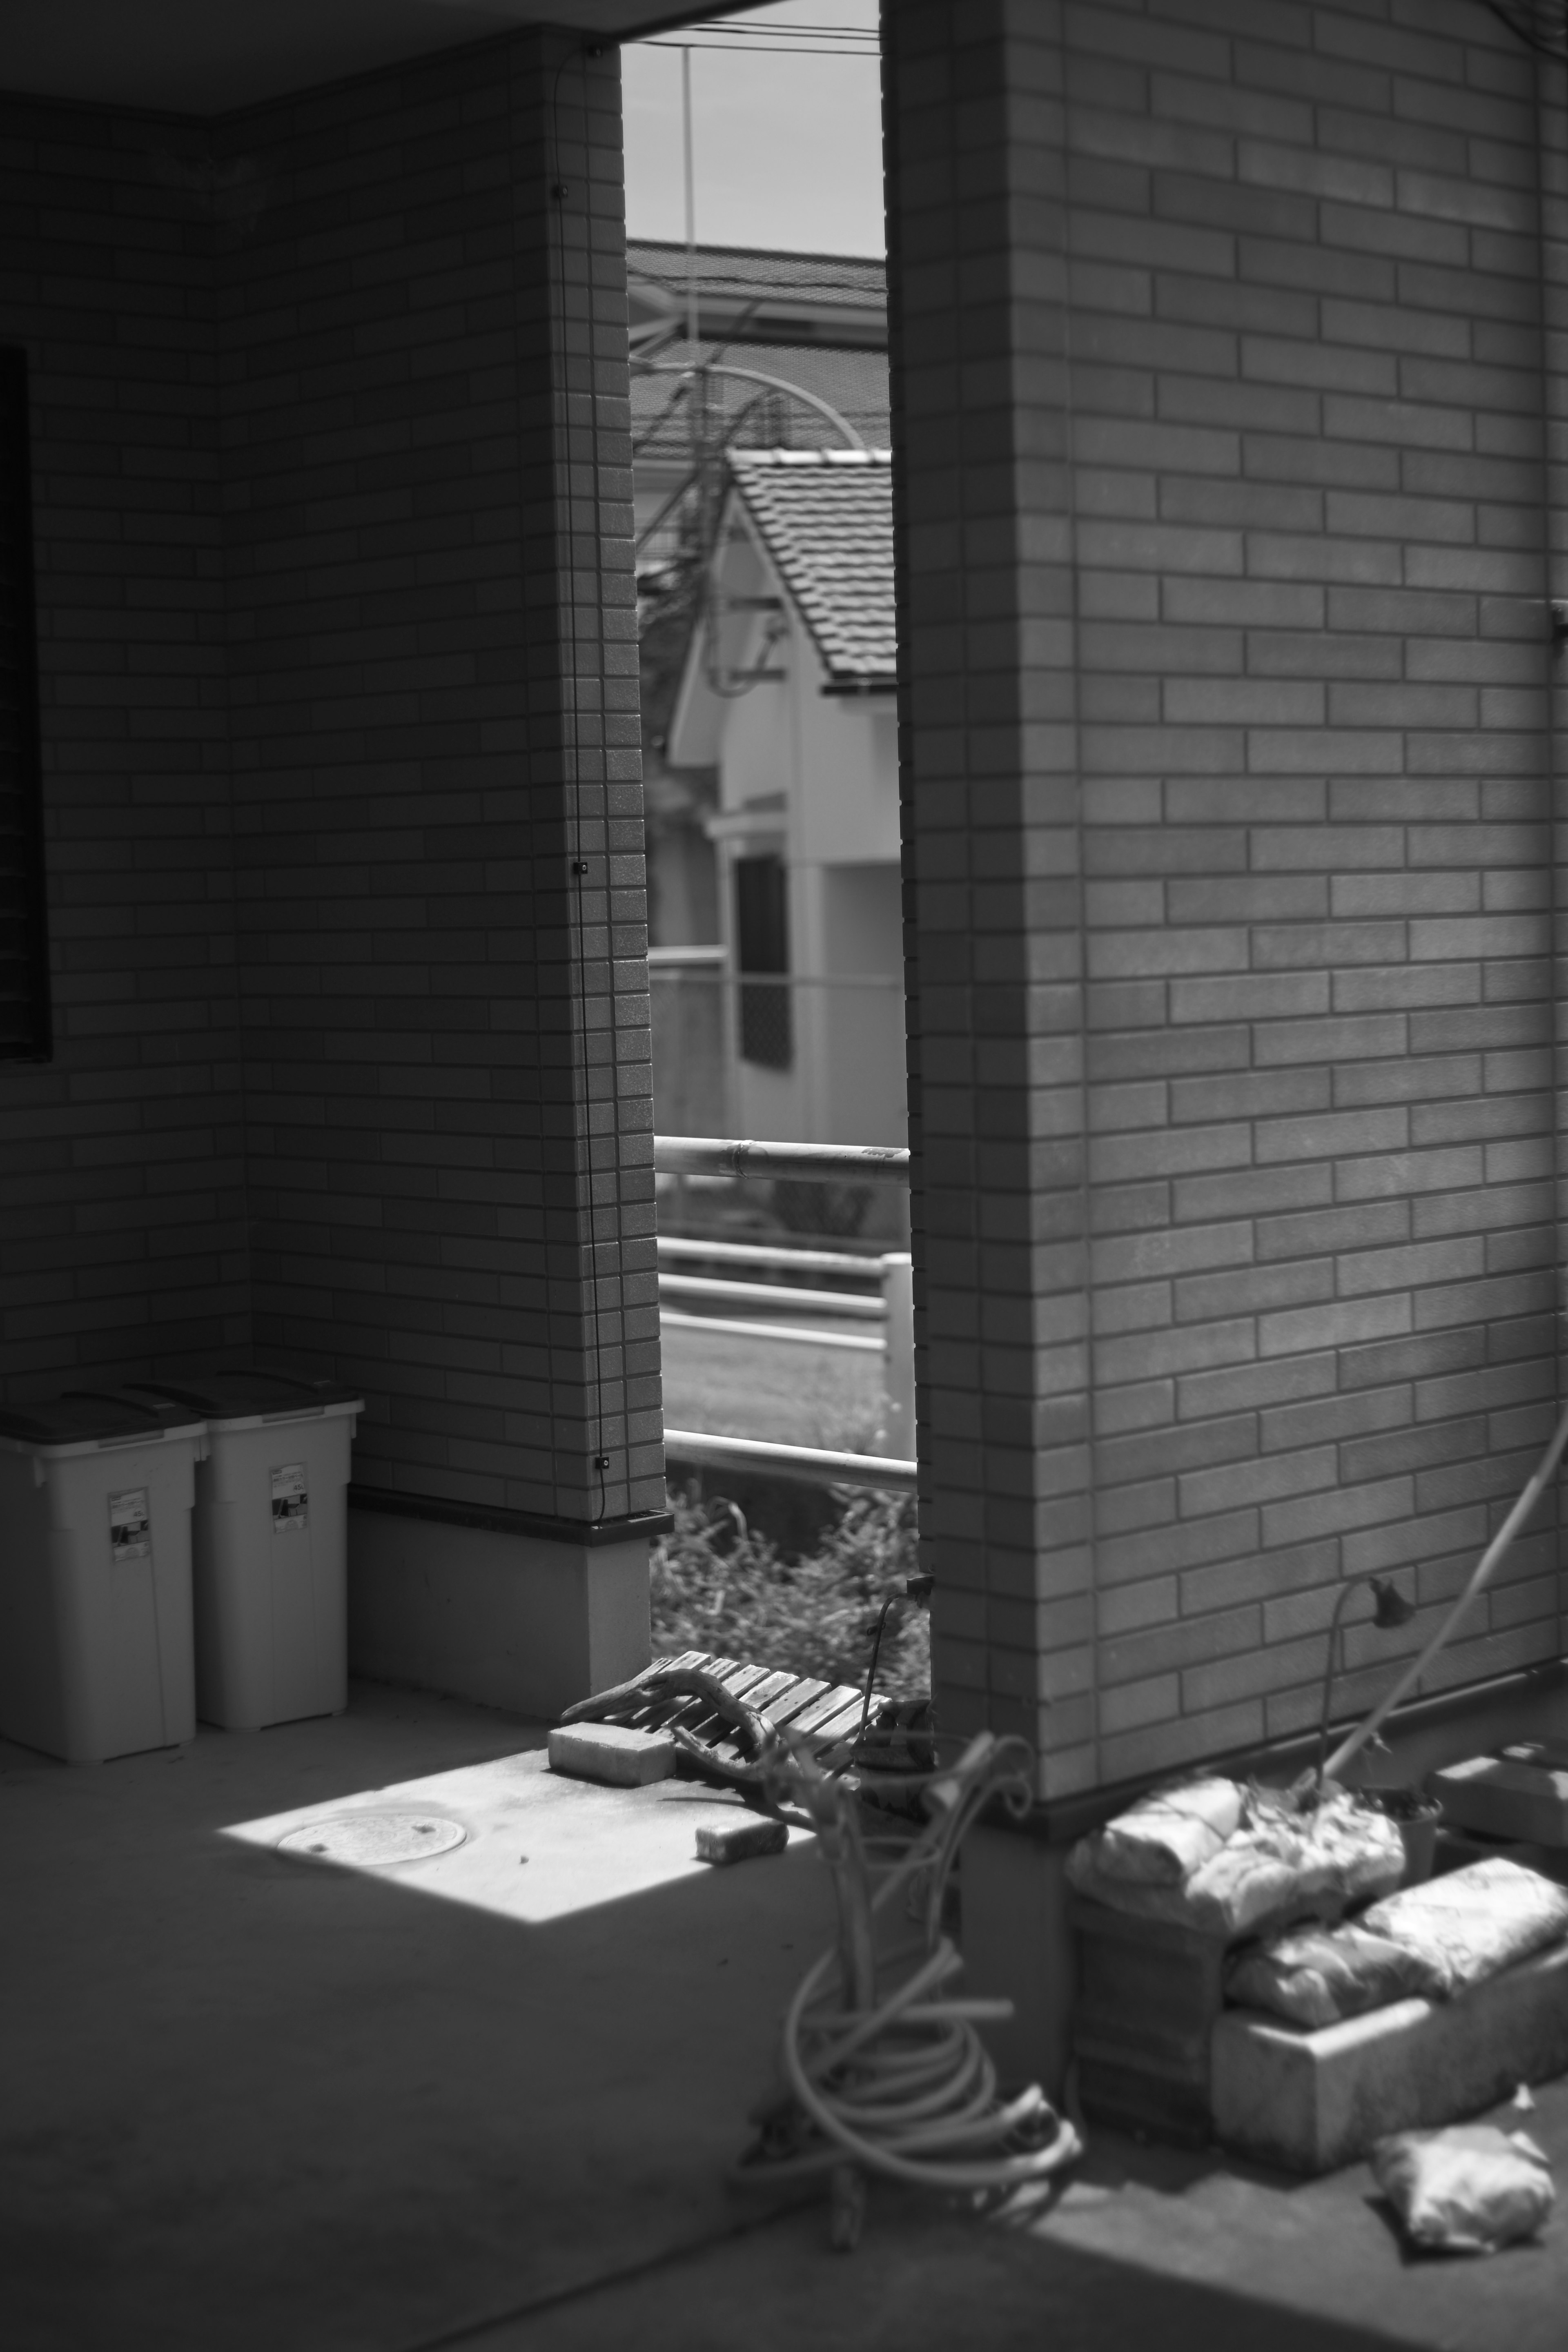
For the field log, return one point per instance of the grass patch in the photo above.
(720, 1586)
(778, 1388)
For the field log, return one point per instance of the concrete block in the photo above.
(1311, 2101)
(612, 1753)
(744, 1841)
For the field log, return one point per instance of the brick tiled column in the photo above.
(1552, 143)
(1218, 398)
(994, 887)
(435, 720)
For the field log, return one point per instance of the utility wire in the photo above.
(725, 33)
(762, 48)
(762, 32)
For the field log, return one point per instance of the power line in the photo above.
(765, 48)
(775, 40)
(757, 31)
(731, 30)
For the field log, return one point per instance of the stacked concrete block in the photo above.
(1219, 384)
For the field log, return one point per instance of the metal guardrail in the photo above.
(701, 1155)
(774, 1293)
(812, 1464)
(802, 1334)
(818, 1163)
(867, 1265)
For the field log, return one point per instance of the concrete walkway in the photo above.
(254, 2102)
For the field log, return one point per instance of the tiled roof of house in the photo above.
(825, 517)
(743, 270)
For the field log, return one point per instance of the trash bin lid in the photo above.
(239, 1395)
(103, 1420)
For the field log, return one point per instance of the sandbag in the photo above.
(1316, 1975)
(1162, 1839)
(1469, 2190)
(1256, 1877)
(1283, 1863)
(1473, 1923)
(1354, 1852)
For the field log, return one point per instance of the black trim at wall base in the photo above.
(593, 1533)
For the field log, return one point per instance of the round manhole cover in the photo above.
(374, 1838)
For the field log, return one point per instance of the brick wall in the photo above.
(428, 491)
(334, 493)
(122, 1232)
(1220, 386)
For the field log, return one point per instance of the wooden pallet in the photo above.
(827, 1715)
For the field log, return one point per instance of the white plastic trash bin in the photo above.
(271, 1551)
(96, 1655)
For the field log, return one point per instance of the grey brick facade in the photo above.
(433, 686)
(1220, 389)
(333, 511)
(122, 1217)
(1224, 508)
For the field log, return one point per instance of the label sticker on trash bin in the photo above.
(291, 1500)
(130, 1535)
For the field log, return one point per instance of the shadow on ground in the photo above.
(247, 2102)
(250, 2105)
(923, 2283)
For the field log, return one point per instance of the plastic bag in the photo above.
(1163, 1838)
(1317, 1976)
(1469, 2189)
(1475, 1922)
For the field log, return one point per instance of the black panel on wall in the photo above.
(24, 953)
(762, 944)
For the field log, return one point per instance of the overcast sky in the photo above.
(787, 149)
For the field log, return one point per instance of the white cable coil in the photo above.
(908, 2088)
(884, 2066)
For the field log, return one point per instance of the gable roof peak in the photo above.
(824, 517)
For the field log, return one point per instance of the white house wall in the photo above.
(862, 946)
(849, 748)
(845, 902)
(813, 776)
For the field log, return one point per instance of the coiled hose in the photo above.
(884, 2066)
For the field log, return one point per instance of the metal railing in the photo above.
(788, 1296)
(795, 1261)
(894, 1307)
(774, 1293)
(810, 1163)
(813, 1464)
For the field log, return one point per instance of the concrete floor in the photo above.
(251, 2102)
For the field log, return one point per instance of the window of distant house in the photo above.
(24, 956)
(762, 945)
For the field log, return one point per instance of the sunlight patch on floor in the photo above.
(536, 1846)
